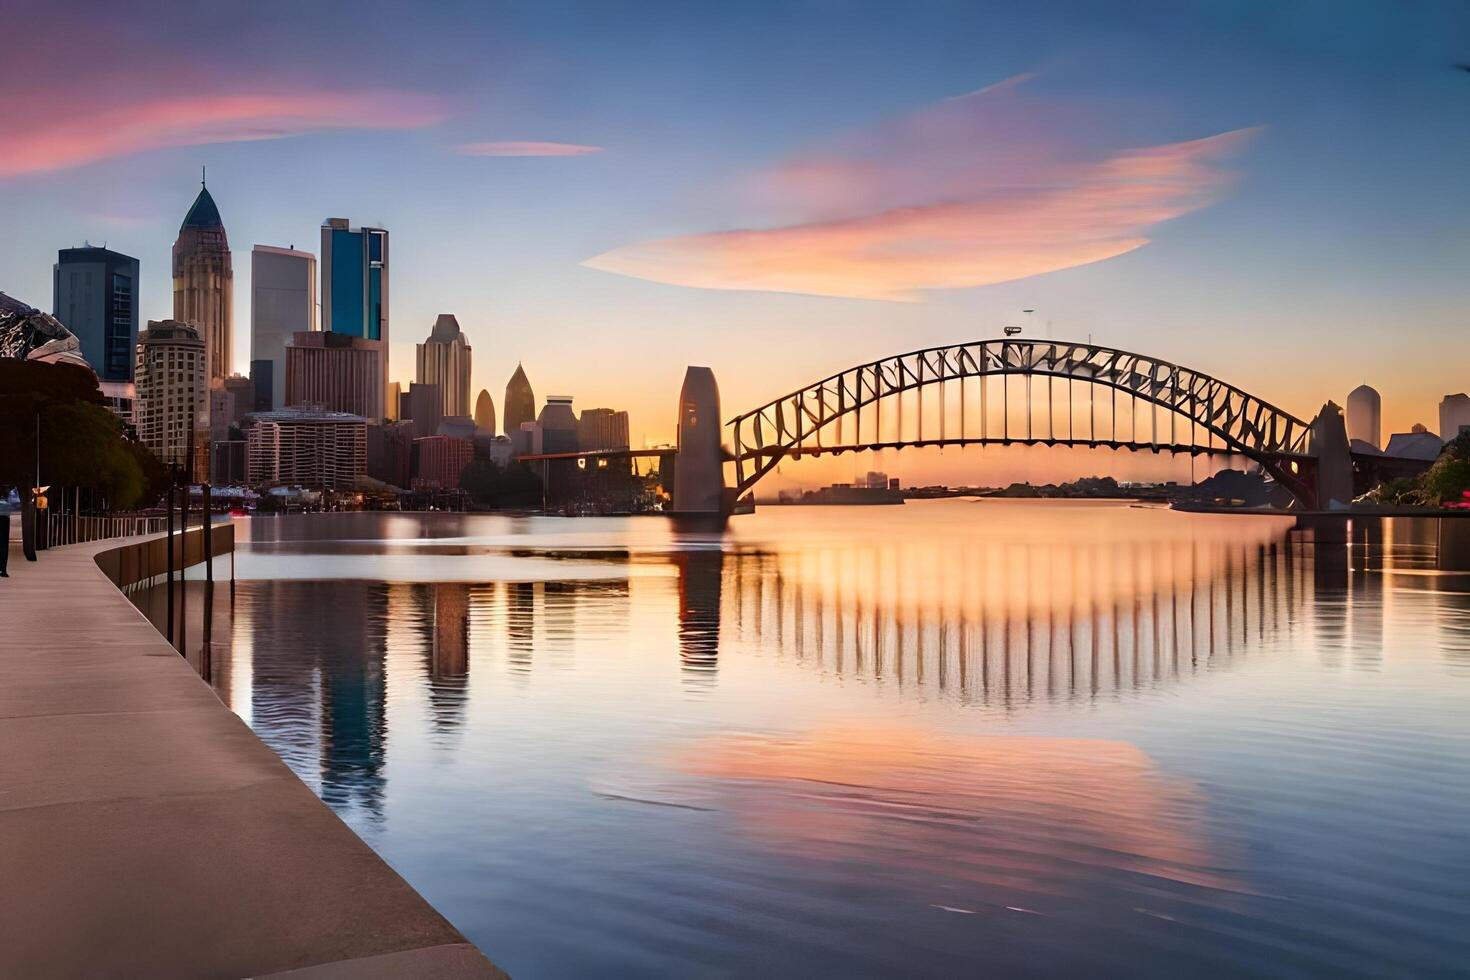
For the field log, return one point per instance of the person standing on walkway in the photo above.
(5, 509)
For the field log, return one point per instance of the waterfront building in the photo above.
(438, 462)
(602, 428)
(1365, 417)
(424, 401)
(394, 402)
(485, 412)
(1454, 415)
(171, 408)
(282, 303)
(520, 402)
(355, 284)
(204, 282)
(95, 295)
(1417, 443)
(556, 426)
(337, 371)
(444, 360)
(306, 446)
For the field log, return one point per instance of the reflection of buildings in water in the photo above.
(700, 578)
(520, 625)
(448, 650)
(318, 695)
(1127, 616)
(353, 690)
(992, 817)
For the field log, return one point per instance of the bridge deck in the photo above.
(811, 449)
(146, 831)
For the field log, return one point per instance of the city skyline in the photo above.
(520, 198)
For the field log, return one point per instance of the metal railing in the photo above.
(62, 529)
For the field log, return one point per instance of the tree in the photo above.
(82, 442)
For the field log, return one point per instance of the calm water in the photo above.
(945, 739)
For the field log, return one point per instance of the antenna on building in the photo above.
(201, 176)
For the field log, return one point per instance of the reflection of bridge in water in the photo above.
(1188, 610)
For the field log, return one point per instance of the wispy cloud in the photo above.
(986, 188)
(79, 136)
(525, 148)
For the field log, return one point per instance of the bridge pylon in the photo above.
(1333, 458)
(699, 464)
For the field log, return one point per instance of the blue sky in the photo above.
(1327, 245)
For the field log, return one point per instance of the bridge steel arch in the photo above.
(804, 422)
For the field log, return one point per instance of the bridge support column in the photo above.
(1329, 443)
(699, 465)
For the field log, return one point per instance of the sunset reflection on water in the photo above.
(1027, 738)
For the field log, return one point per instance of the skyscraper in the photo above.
(520, 402)
(282, 303)
(444, 360)
(335, 371)
(1365, 416)
(485, 412)
(355, 284)
(171, 410)
(204, 282)
(95, 296)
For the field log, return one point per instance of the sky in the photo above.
(606, 192)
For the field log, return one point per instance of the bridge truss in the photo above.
(881, 405)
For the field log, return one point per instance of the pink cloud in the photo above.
(990, 187)
(74, 136)
(525, 148)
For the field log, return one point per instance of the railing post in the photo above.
(208, 537)
(169, 541)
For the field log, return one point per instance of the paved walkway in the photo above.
(146, 831)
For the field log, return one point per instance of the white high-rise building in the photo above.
(1454, 415)
(282, 303)
(171, 405)
(1365, 416)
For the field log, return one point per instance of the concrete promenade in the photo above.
(146, 831)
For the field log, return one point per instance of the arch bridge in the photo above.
(1009, 392)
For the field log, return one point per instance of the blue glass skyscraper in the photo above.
(354, 272)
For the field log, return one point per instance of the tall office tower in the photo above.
(338, 372)
(204, 282)
(485, 413)
(602, 428)
(355, 284)
(282, 303)
(520, 402)
(95, 296)
(171, 410)
(1454, 415)
(444, 360)
(394, 404)
(1365, 416)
